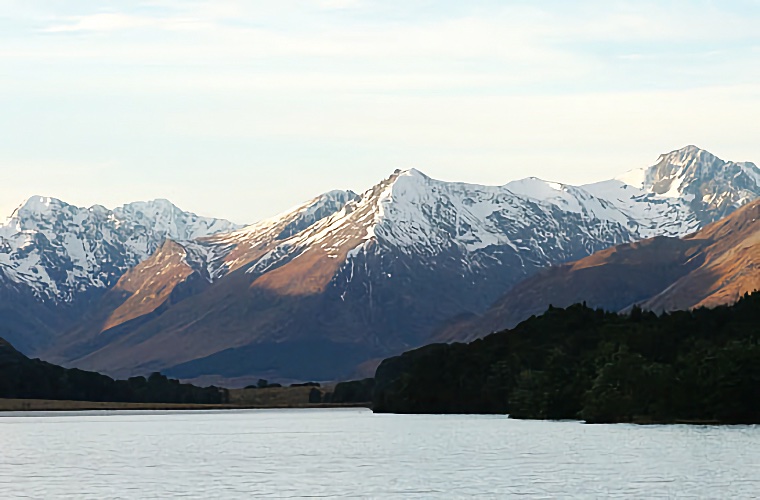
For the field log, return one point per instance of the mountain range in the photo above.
(327, 287)
(56, 259)
(714, 266)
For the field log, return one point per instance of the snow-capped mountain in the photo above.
(370, 274)
(701, 178)
(685, 190)
(58, 251)
(472, 226)
(715, 266)
(344, 278)
(226, 252)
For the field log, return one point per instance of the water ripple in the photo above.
(355, 454)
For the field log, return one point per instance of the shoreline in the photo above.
(24, 405)
(52, 405)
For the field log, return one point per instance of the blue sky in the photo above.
(240, 109)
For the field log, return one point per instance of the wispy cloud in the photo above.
(339, 4)
(103, 22)
(572, 85)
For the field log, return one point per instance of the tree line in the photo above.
(24, 378)
(580, 363)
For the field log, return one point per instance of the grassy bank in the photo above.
(273, 397)
(52, 405)
(55, 405)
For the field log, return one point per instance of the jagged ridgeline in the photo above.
(24, 378)
(580, 363)
(327, 288)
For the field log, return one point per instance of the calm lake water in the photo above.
(356, 454)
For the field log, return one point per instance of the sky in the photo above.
(243, 108)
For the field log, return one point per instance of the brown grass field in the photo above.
(277, 397)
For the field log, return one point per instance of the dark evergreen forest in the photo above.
(24, 378)
(597, 366)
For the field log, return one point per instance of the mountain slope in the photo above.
(56, 259)
(59, 250)
(378, 275)
(731, 265)
(373, 278)
(343, 279)
(714, 266)
(714, 188)
(180, 270)
(686, 189)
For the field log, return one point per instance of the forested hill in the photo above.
(24, 378)
(579, 363)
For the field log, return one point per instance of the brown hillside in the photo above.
(711, 267)
(731, 265)
(142, 292)
(150, 284)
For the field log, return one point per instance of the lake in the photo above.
(352, 453)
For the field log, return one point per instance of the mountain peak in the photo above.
(536, 188)
(675, 170)
(366, 274)
(703, 180)
(413, 172)
(337, 194)
(690, 161)
(691, 149)
(60, 250)
(694, 177)
(158, 202)
(37, 205)
(8, 353)
(5, 345)
(159, 205)
(290, 222)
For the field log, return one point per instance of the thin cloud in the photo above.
(503, 89)
(339, 4)
(103, 22)
(113, 22)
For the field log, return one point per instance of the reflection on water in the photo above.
(355, 454)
